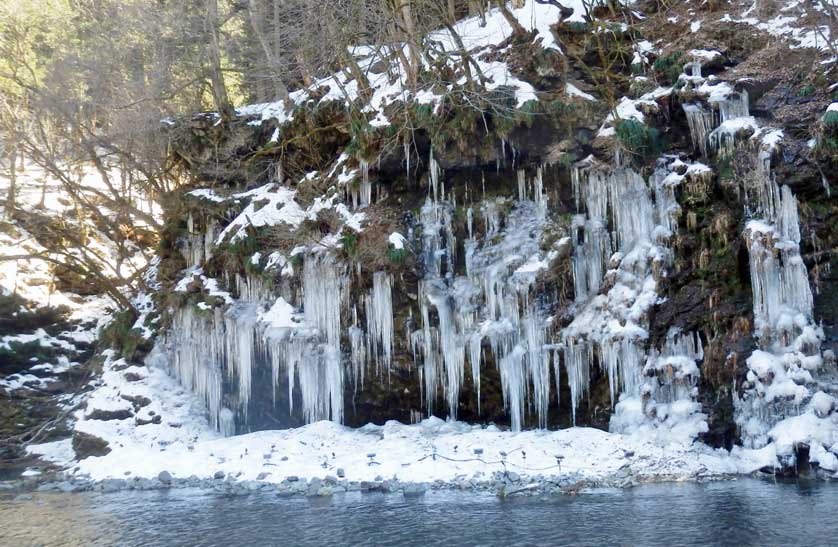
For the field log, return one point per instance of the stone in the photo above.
(108, 415)
(314, 487)
(154, 420)
(262, 476)
(413, 490)
(341, 473)
(86, 445)
(67, 487)
(513, 476)
(112, 485)
(138, 401)
(165, 477)
(218, 475)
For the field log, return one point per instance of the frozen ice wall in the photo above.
(620, 211)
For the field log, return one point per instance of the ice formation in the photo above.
(494, 302)
(609, 328)
(782, 379)
(197, 246)
(785, 374)
(211, 346)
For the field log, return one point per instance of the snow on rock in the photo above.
(397, 240)
(573, 91)
(280, 315)
(269, 205)
(627, 109)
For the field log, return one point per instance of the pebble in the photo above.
(218, 475)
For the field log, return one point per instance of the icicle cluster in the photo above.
(665, 405)
(493, 303)
(609, 329)
(780, 380)
(213, 346)
(197, 246)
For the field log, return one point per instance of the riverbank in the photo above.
(324, 458)
(140, 429)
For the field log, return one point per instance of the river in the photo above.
(741, 512)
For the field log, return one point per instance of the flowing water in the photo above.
(743, 512)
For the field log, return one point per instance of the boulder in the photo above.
(86, 445)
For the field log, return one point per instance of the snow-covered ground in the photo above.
(33, 279)
(183, 444)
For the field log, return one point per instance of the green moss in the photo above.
(830, 119)
(19, 355)
(724, 167)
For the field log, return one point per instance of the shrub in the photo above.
(638, 138)
(670, 66)
(807, 90)
(121, 335)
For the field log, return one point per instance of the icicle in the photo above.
(322, 302)
(227, 422)
(475, 347)
(735, 106)
(197, 357)
(433, 174)
(358, 355)
(379, 309)
(522, 185)
(578, 367)
(539, 197)
(700, 123)
(365, 197)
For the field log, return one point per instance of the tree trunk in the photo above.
(452, 12)
(475, 7)
(517, 29)
(257, 20)
(219, 88)
(406, 14)
(10, 196)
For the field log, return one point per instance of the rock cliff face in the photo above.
(635, 233)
